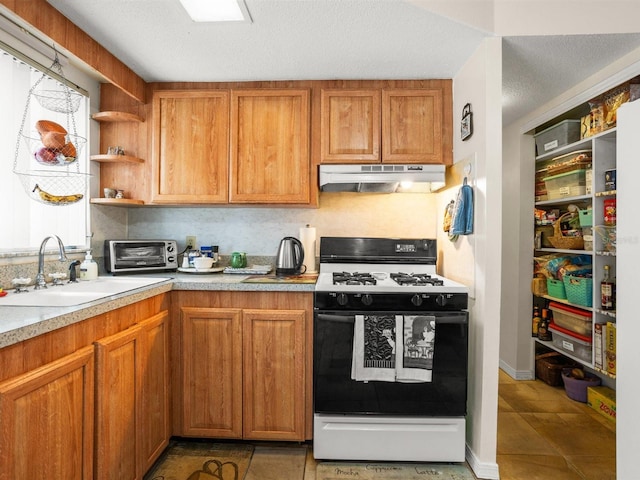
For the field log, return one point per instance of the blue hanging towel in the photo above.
(462, 218)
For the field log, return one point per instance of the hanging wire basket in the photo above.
(54, 187)
(65, 152)
(60, 101)
(52, 146)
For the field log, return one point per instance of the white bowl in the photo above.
(202, 263)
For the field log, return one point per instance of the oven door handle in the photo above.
(344, 318)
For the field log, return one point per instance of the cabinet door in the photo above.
(118, 406)
(350, 126)
(412, 126)
(46, 421)
(190, 147)
(274, 374)
(155, 422)
(270, 161)
(212, 372)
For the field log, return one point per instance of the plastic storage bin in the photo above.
(579, 290)
(572, 343)
(573, 319)
(568, 184)
(555, 288)
(586, 217)
(557, 136)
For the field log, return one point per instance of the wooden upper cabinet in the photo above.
(350, 126)
(412, 126)
(190, 146)
(388, 125)
(270, 160)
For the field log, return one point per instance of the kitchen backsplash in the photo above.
(258, 231)
(255, 230)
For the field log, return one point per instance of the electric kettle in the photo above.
(290, 257)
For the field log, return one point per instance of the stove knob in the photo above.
(441, 300)
(367, 299)
(416, 300)
(342, 299)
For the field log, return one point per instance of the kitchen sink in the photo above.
(69, 294)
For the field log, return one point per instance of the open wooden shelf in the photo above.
(116, 117)
(105, 158)
(117, 202)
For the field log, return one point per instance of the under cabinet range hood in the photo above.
(383, 178)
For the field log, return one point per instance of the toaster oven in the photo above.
(137, 256)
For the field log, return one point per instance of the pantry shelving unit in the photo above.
(603, 153)
(116, 117)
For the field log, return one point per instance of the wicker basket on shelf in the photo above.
(558, 240)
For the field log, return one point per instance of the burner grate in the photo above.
(416, 279)
(355, 278)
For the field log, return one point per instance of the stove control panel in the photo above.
(389, 302)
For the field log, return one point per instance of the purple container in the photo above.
(575, 388)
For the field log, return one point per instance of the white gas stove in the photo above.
(375, 302)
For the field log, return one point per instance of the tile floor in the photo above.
(543, 434)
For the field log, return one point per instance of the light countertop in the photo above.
(21, 323)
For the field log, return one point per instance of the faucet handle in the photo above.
(20, 284)
(57, 278)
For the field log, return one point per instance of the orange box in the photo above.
(602, 400)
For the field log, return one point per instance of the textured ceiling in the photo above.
(334, 39)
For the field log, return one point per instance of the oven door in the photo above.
(335, 392)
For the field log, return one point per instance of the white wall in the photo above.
(479, 83)
(516, 347)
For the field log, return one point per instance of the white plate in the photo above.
(204, 270)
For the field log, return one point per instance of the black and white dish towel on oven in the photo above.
(393, 348)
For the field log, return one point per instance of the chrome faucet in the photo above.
(40, 281)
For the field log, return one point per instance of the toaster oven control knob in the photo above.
(441, 300)
(170, 248)
(416, 300)
(367, 299)
(342, 299)
(171, 259)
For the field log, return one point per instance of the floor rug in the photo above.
(392, 471)
(203, 461)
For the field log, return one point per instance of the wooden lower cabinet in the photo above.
(46, 420)
(132, 417)
(156, 417)
(244, 370)
(273, 374)
(212, 372)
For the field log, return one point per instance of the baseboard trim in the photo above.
(517, 374)
(483, 470)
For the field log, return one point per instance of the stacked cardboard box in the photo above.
(603, 401)
(604, 347)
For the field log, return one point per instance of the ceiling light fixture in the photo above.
(217, 10)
